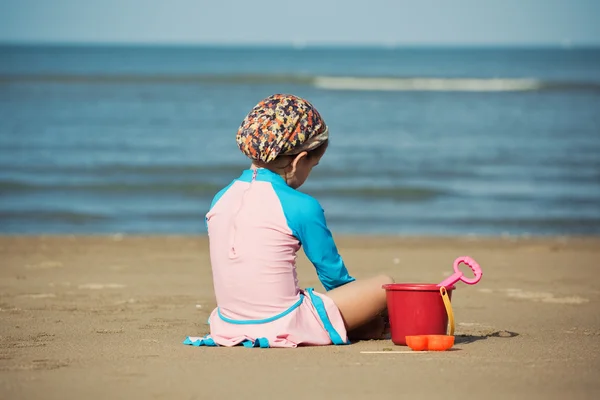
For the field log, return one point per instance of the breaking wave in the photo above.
(331, 83)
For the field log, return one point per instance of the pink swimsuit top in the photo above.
(256, 225)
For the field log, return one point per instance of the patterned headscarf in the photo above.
(281, 124)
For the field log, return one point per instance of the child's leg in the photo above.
(361, 304)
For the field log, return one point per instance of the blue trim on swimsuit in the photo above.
(317, 302)
(207, 341)
(335, 337)
(262, 343)
(261, 321)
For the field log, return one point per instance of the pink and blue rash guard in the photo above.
(256, 225)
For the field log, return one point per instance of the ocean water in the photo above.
(424, 141)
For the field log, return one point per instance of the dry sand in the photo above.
(105, 317)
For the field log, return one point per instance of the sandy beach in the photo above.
(105, 317)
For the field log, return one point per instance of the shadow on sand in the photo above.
(466, 339)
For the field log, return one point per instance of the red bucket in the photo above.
(416, 309)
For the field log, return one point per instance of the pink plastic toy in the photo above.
(459, 276)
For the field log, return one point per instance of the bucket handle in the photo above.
(449, 311)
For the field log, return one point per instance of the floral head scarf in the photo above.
(281, 125)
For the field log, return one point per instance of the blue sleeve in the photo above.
(306, 218)
(320, 248)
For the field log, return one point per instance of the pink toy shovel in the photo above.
(459, 276)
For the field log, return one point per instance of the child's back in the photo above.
(252, 246)
(257, 224)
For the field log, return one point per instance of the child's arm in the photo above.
(320, 248)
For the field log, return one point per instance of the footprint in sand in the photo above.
(44, 364)
(543, 297)
(162, 323)
(38, 340)
(109, 331)
(39, 295)
(45, 265)
(99, 286)
(469, 324)
(54, 284)
(583, 331)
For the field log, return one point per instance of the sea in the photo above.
(424, 141)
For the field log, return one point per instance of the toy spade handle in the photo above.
(459, 276)
(471, 264)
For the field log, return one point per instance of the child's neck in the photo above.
(256, 166)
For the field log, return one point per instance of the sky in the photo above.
(303, 22)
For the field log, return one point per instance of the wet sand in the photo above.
(105, 317)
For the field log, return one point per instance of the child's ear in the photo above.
(296, 161)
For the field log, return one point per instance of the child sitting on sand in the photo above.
(257, 224)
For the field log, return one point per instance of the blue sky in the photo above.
(402, 22)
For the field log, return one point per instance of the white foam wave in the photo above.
(427, 84)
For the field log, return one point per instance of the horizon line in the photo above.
(300, 45)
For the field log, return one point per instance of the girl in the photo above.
(257, 224)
